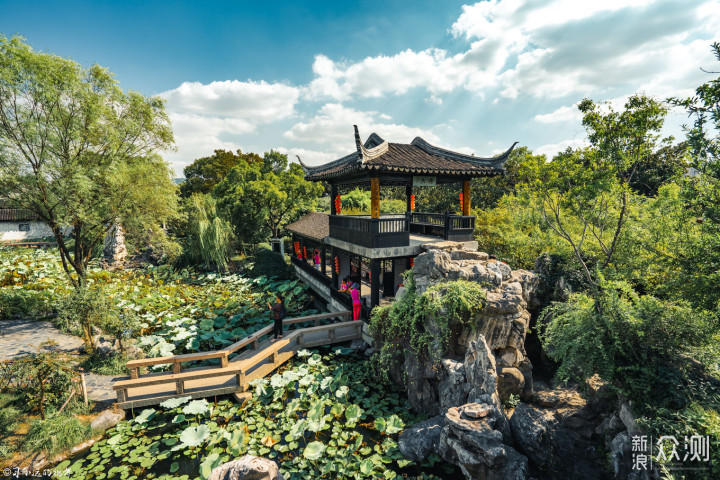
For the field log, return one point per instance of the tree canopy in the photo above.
(203, 174)
(259, 199)
(79, 152)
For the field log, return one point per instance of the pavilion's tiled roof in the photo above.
(314, 225)
(15, 215)
(415, 158)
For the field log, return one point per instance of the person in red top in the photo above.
(357, 303)
(316, 259)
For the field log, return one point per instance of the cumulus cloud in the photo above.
(563, 114)
(332, 125)
(543, 49)
(551, 149)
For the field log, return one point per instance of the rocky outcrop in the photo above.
(115, 253)
(419, 441)
(248, 467)
(473, 439)
(107, 419)
(485, 360)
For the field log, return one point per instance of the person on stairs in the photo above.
(278, 313)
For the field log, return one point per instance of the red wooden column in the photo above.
(466, 198)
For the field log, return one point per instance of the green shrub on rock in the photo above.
(424, 324)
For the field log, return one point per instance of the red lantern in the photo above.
(461, 199)
(412, 202)
(337, 265)
(412, 262)
(296, 245)
(338, 204)
(305, 252)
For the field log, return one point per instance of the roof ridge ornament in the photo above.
(365, 154)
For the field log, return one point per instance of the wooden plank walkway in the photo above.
(232, 375)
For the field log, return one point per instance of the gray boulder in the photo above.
(420, 440)
(107, 419)
(472, 441)
(531, 433)
(248, 467)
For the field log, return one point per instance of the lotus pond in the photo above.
(320, 417)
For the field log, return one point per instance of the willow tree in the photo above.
(77, 151)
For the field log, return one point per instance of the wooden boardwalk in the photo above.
(257, 358)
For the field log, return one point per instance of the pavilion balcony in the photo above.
(395, 230)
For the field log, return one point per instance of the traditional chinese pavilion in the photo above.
(374, 250)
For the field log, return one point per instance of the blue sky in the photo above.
(295, 76)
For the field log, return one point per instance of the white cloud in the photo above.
(310, 157)
(550, 150)
(333, 126)
(562, 114)
(544, 49)
(257, 102)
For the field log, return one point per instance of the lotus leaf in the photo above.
(175, 402)
(380, 424)
(314, 450)
(146, 415)
(196, 407)
(342, 391)
(194, 436)
(353, 414)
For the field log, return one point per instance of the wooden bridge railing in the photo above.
(298, 339)
(134, 365)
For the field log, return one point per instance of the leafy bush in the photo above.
(424, 323)
(23, 302)
(55, 434)
(269, 263)
(208, 235)
(393, 206)
(84, 309)
(105, 364)
(356, 200)
(625, 338)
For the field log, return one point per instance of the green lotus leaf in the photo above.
(175, 402)
(194, 436)
(178, 418)
(196, 407)
(342, 391)
(210, 462)
(314, 450)
(316, 411)
(380, 424)
(115, 439)
(325, 384)
(174, 467)
(146, 415)
(394, 424)
(366, 467)
(353, 414)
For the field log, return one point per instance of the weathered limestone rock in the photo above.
(107, 419)
(510, 382)
(420, 440)
(115, 252)
(531, 433)
(497, 331)
(471, 440)
(248, 467)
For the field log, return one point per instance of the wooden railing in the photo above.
(312, 271)
(386, 231)
(236, 367)
(450, 227)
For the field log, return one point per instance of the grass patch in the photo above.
(105, 364)
(56, 434)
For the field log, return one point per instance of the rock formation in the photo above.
(248, 467)
(115, 252)
(485, 362)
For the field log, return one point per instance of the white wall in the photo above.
(10, 231)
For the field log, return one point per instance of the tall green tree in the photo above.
(260, 200)
(77, 151)
(591, 188)
(203, 174)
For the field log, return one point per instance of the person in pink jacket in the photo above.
(357, 303)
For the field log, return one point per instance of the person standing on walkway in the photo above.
(356, 301)
(316, 259)
(278, 313)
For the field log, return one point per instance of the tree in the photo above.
(203, 174)
(77, 151)
(260, 201)
(208, 235)
(591, 186)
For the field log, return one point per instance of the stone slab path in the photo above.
(22, 337)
